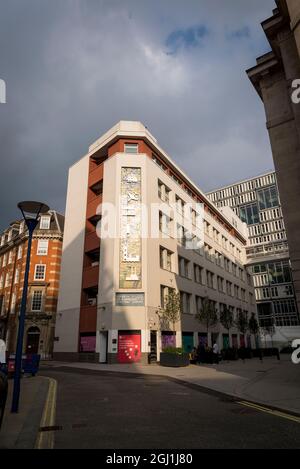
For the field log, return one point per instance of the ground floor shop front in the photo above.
(145, 346)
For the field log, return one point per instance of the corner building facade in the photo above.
(112, 286)
(43, 283)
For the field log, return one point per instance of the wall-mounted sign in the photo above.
(130, 299)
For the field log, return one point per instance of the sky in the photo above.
(74, 68)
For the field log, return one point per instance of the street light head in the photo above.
(32, 209)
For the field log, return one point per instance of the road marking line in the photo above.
(267, 410)
(45, 440)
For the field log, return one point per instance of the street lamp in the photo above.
(30, 211)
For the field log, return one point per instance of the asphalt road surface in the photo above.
(116, 410)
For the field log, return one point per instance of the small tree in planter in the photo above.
(242, 324)
(207, 314)
(170, 314)
(253, 327)
(227, 319)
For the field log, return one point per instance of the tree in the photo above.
(242, 322)
(170, 313)
(227, 319)
(207, 314)
(253, 326)
(269, 328)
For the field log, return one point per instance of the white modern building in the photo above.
(257, 202)
(129, 213)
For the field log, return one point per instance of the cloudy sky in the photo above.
(73, 68)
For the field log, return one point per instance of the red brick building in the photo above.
(43, 282)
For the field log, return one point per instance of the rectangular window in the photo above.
(131, 148)
(267, 198)
(17, 275)
(42, 248)
(40, 271)
(183, 265)
(164, 224)
(45, 223)
(13, 303)
(20, 252)
(164, 293)
(163, 192)
(209, 279)
(166, 257)
(10, 257)
(185, 300)
(36, 304)
(198, 273)
(249, 214)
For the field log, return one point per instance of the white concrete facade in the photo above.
(223, 257)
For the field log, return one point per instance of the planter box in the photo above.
(174, 360)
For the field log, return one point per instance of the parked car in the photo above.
(3, 394)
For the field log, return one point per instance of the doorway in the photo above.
(153, 347)
(33, 340)
(103, 346)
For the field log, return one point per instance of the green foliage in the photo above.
(207, 314)
(174, 350)
(226, 318)
(253, 325)
(242, 322)
(171, 311)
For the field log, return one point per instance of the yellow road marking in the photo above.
(277, 413)
(45, 440)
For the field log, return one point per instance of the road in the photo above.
(117, 410)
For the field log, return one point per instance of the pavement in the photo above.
(114, 411)
(270, 387)
(21, 430)
(271, 382)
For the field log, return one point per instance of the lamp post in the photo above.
(30, 211)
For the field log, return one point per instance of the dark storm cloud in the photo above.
(73, 68)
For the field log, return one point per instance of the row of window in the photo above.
(192, 303)
(268, 238)
(42, 250)
(243, 187)
(44, 225)
(273, 292)
(213, 233)
(36, 302)
(198, 274)
(167, 262)
(39, 274)
(266, 228)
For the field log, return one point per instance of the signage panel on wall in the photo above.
(130, 299)
(129, 347)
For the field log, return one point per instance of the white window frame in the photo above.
(40, 292)
(20, 252)
(131, 145)
(45, 221)
(35, 272)
(42, 251)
